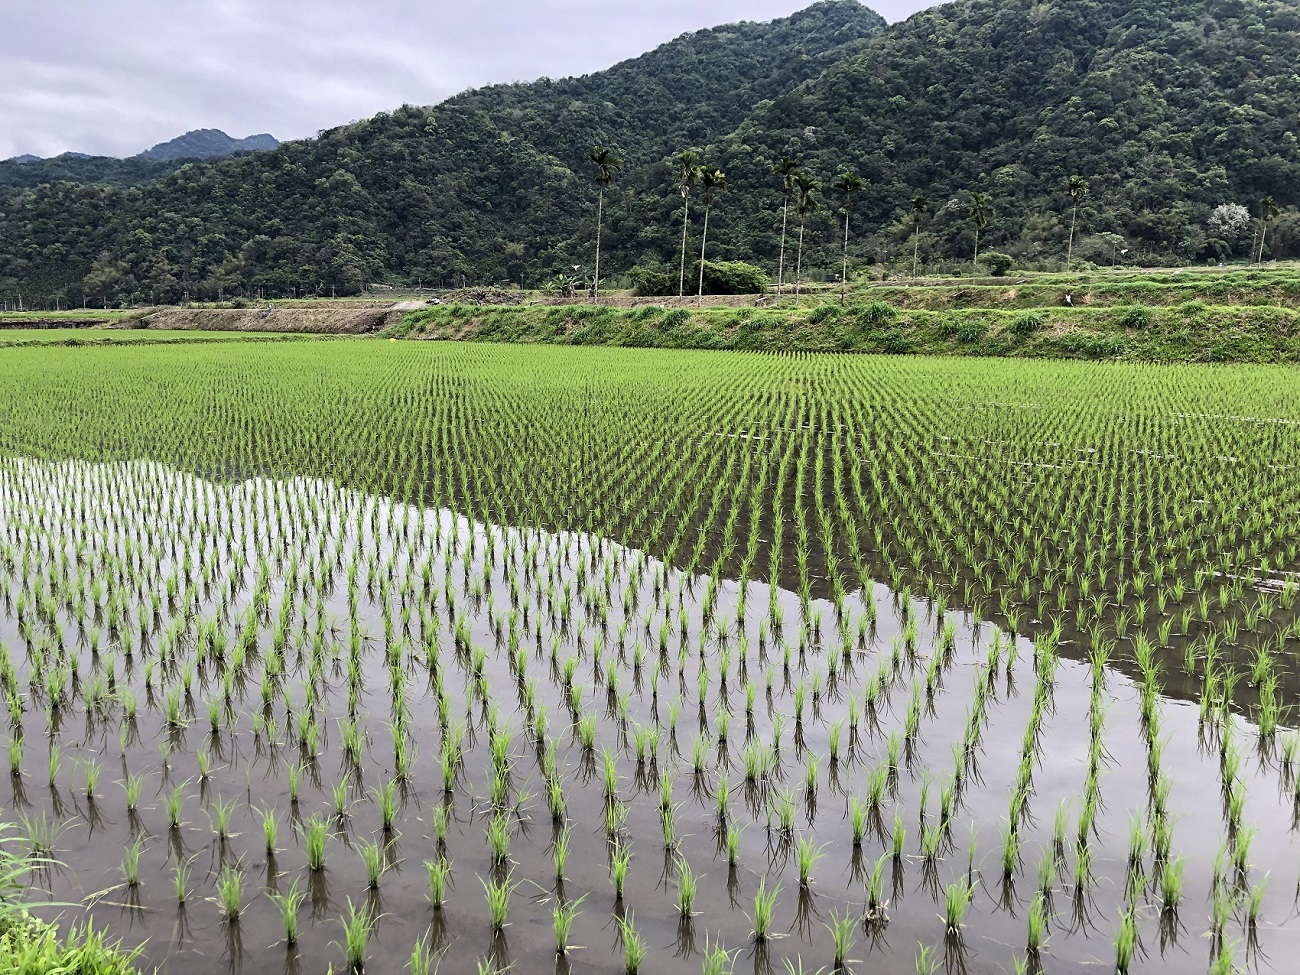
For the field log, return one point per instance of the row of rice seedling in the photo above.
(407, 654)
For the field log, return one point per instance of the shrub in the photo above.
(1026, 324)
(997, 263)
(876, 313)
(649, 281)
(1134, 316)
(732, 278)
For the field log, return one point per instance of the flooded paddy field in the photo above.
(397, 657)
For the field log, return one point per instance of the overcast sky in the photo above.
(115, 77)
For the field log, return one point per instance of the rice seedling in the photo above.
(315, 833)
(1125, 942)
(764, 908)
(562, 918)
(230, 894)
(288, 904)
(358, 928)
(634, 946)
(956, 902)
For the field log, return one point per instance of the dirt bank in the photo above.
(319, 321)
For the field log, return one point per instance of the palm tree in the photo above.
(981, 212)
(1078, 187)
(920, 205)
(848, 183)
(688, 174)
(787, 169)
(1270, 211)
(806, 206)
(607, 164)
(712, 182)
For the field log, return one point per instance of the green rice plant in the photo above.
(717, 960)
(634, 946)
(898, 838)
(1125, 942)
(230, 896)
(686, 889)
(422, 960)
(842, 928)
(315, 832)
(358, 928)
(562, 918)
(619, 862)
(131, 865)
(288, 904)
(764, 908)
(1037, 924)
(91, 769)
(1171, 884)
(439, 872)
(498, 837)
(372, 857)
(181, 882)
(174, 803)
(956, 902)
(498, 894)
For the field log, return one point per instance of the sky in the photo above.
(114, 78)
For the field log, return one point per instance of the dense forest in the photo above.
(1174, 119)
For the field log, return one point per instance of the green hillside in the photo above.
(488, 185)
(1179, 116)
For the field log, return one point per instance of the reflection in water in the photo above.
(413, 677)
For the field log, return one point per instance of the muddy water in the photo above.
(159, 521)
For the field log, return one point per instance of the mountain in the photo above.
(208, 144)
(145, 167)
(489, 184)
(1170, 109)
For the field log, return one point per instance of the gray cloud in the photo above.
(116, 78)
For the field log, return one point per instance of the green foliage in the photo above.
(733, 278)
(652, 281)
(998, 264)
(492, 185)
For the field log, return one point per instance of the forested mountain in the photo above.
(209, 144)
(483, 185)
(1170, 109)
(29, 171)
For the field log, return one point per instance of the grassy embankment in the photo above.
(1190, 332)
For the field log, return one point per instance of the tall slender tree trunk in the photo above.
(1263, 236)
(977, 251)
(916, 246)
(844, 273)
(780, 268)
(686, 216)
(798, 267)
(600, 219)
(703, 243)
(1069, 253)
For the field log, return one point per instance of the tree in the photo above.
(920, 206)
(607, 164)
(1078, 187)
(787, 169)
(1270, 211)
(806, 206)
(688, 174)
(712, 182)
(981, 212)
(848, 183)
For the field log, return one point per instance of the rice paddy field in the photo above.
(428, 656)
